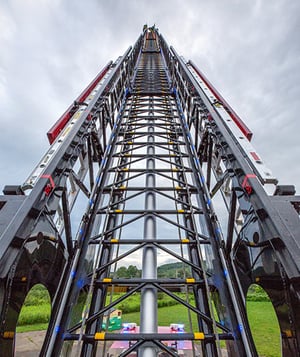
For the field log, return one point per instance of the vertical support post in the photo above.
(148, 322)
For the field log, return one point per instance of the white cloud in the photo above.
(51, 50)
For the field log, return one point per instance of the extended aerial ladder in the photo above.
(150, 164)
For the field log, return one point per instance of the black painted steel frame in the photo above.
(153, 152)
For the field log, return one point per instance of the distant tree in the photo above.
(122, 272)
(131, 272)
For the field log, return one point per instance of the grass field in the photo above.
(264, 324)
(261, 315)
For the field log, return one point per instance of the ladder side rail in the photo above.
(105, 251)
(54, 131)
(76, 272)
(243, 127)
(48, 199)
(63, 314)
(200, 292)
(273, 225)
(182, 93)
(274, 229)
(38, 199)
(235, 127)
(236, 317)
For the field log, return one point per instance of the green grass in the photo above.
(167, 315)
(31, 315)
(261, 316)
(264, 327)
(35, 327)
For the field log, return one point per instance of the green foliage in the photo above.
(261, 315)
(265, 328)
(130, 272)
(36, 308)
(31, 315)
(38, 295)
(35, 327)
(257, 293)
(262, 318)
(133, 303)
(35, 313)
(122, 272)
(174, 270)
(171, 270)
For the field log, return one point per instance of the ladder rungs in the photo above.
(107, 336)
(154, 241)
(143, 211)
(137, 281)
(140, 188)
(126, 169)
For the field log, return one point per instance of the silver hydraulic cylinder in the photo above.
(148, 319)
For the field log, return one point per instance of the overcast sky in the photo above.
(51, 49)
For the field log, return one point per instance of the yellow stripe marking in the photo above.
(199, 336)
(288, 333)
(8, 334)
(99, 335)
(106, 280)
(190, 280)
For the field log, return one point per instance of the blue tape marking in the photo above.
(73, 273)
(202, 178)
(57, 329)
(208, 202)
(225, 273)
(80, 283)
(240, 327)
(91, 201)
(218, 281)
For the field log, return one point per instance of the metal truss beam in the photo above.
(166, 172)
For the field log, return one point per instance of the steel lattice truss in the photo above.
(156, 166)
